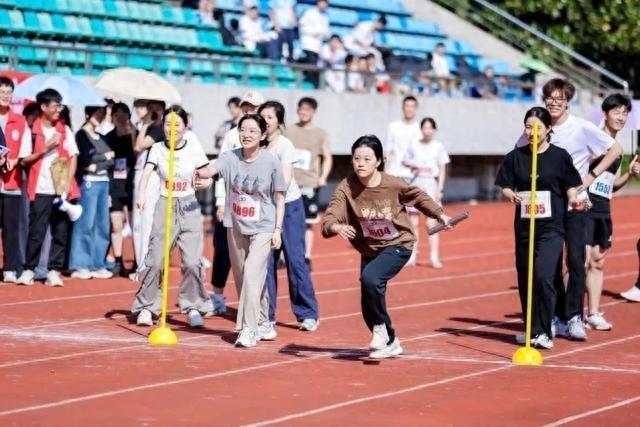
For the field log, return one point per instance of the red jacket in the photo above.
(16, 126)
(34, 171)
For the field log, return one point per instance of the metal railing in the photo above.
(560, 57)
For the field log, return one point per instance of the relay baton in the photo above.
(453, 221)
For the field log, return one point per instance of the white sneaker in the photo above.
(82, 274)
(134, 277)
(53, 279)
(435, 263)
(559, 328)
(598, 322)
(26, 278)
(309, 325)
(247, 338)
(205, 262)
(576, 328)
(632, 294)
(144, 318)
(9, 277)
(380, 337)
(392, 350)
(267, 331)
(103, 273)
(542, 341)
(219, 307)
(195, 318)
(521, 339)
(412, 260)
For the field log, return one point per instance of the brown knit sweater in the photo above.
(377, 213)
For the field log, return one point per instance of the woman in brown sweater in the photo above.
(369, 210)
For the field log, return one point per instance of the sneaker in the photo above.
(206, 264)
(26, 278)
(219, 307)
(435, 263)
(521, 339)
(559, 328)
(576, 328)
(53, 279)
(134, 277)
(632, 294)
(542, 341)
(247, 338)
(267, 331)
(82, 274)
(391, 350)
(598, 322)
(144, 318)
(9, 277)
(195, 318)
(103, 273)
(412, 260)
(380, 337)
(309, 325)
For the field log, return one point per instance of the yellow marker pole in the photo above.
(163, 335)
(528, 355)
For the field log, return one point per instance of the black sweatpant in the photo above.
(375, 272)
(43, 214)
(570, 301)
(638, 250)
(311, 58)
(221, 260)
(13, 242)
(547, 252)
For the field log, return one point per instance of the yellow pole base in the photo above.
(163, 336)
(527, 356)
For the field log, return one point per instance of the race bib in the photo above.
(378, 229)
(178, 186)
(603, 185)
(304, 159)
(245, 207)
(120, 169)
(542, 207)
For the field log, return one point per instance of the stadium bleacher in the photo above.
(89, 36)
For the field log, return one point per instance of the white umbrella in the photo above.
(75, 92)
(138, 84)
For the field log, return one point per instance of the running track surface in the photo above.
(70, 356)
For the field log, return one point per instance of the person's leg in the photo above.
(414, 219)
(271, 282)
(190, 240)
(547, 251)
(434, 245)
(101, 227)
(238, 248)
(59, 239)
(522, 263)
(117, 225)
(311, 58)
(308, 241)
(39, 214)
(595, 277)
(221, 260)
(303, 299)
(11, 218)
(82, 256)
(373, 279)
(576, 254)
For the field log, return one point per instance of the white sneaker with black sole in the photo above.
(195, 319)
(53, 279)
(392, 350)
(144, 318)
(542, 341)
(379, 338)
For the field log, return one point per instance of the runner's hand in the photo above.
(634, 166)
(347, 232)
(580, 205)
(51, 144)
(444, 220)
(515, 198)
(140, 202)
(276, 240)
(220, 213)
(201, 183)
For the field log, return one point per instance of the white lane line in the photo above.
(567, 420)
(418, 387)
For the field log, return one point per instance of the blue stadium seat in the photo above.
(17, 20)
(105, 60)
(5, 19)
(232, 69)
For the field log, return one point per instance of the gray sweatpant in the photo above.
(249, 257)
(188, 234)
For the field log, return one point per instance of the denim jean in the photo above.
(303, 299)
(90, 236)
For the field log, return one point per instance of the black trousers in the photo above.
(638, 249)
(375, 272)
(311, 58)
(547, 252)
(221, 261)
(43, 214)
(13, 242)
(570, 301)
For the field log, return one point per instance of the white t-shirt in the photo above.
(399, 136)
(24, 151)
(581, 139)
(231, 141)
(284, 150)
(440, 66)
(314, 29)
(365, 33)
(45, 181)
(283, 12)
(188, 158)
(430, 157)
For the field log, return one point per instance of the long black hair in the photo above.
(541, 114)
(372, 142)
(262, 124)
(278, 108)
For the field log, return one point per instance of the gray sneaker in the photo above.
(267, 331)
(577, 330)
(195, 319)
(542, 341)
(309, 325)
(559, 328)
(144, 318)
(392, 350)
(247, 338)
(219, 307)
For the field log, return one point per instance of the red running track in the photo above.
(70, 357)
